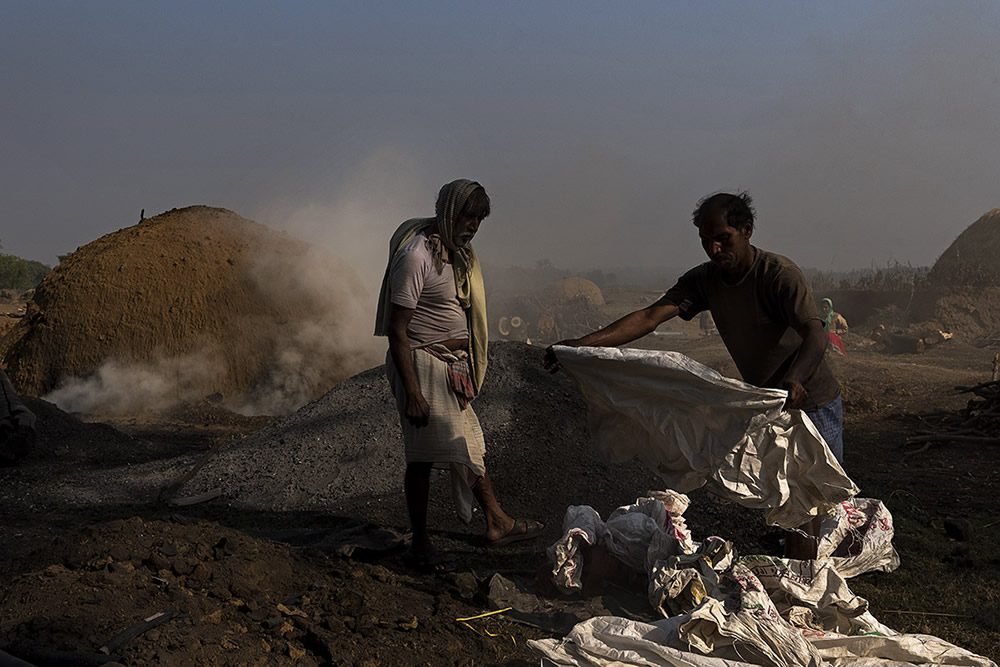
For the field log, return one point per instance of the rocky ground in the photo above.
(90, 548)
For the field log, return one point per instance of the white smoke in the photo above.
(337, 340)
(123, 388)
(336, 282)
(359, 214)
(341, 276)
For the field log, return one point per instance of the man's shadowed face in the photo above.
(465, 229)
(726, 246)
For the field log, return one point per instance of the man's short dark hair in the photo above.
(737, 210)
(477, 205)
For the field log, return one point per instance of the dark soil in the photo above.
(224, 566)
(237, 600)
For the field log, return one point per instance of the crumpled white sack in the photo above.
(756, 610)
(897, 649)
(611, 640)
(638, 535)
(692, 426)
(581, 525)
(755, 631)
(813, 594)
(863, 529)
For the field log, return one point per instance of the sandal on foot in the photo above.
(521, 530)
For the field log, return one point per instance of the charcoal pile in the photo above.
(343, 454)
(344, 451)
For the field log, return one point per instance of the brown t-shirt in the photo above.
(758, 319)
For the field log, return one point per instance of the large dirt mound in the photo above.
(190, 303)
(972, 258)
(575, 287)
(967, 312)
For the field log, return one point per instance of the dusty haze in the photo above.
(865, 131)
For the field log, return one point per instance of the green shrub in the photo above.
(20, 274)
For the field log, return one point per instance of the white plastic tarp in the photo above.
(693, 427)
(608, 641)
(728, 613)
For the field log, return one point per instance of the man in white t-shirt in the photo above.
(432, 309)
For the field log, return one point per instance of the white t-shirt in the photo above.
(415, 283)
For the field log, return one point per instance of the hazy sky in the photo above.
(866, 131)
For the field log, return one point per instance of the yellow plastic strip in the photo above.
(489, 613)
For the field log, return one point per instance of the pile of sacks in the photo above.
(721, 610)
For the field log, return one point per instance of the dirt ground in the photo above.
(241, 586)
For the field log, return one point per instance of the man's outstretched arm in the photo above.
(631, 327)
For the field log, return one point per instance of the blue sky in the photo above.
(866, 131)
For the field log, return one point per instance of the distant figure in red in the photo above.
(835, 326)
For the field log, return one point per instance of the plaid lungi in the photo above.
(829, 421)
(452, 438)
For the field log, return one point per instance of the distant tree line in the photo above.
(894, 276)
(20, 274)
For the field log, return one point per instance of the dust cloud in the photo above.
(340, 276)
(333, 340)
(355, 220)
(337, 338)
(126, 388)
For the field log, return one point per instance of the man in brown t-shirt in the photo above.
(761, 317)
(763, 310)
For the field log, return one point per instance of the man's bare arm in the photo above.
(806, 362)
(631, 327)
(417, 410)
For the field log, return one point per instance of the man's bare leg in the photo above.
(498, 523)
(417, 485)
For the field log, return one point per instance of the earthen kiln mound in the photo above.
(961, 294)
(240, 302)
(964, 293)
(575, 287)
(972, 258)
